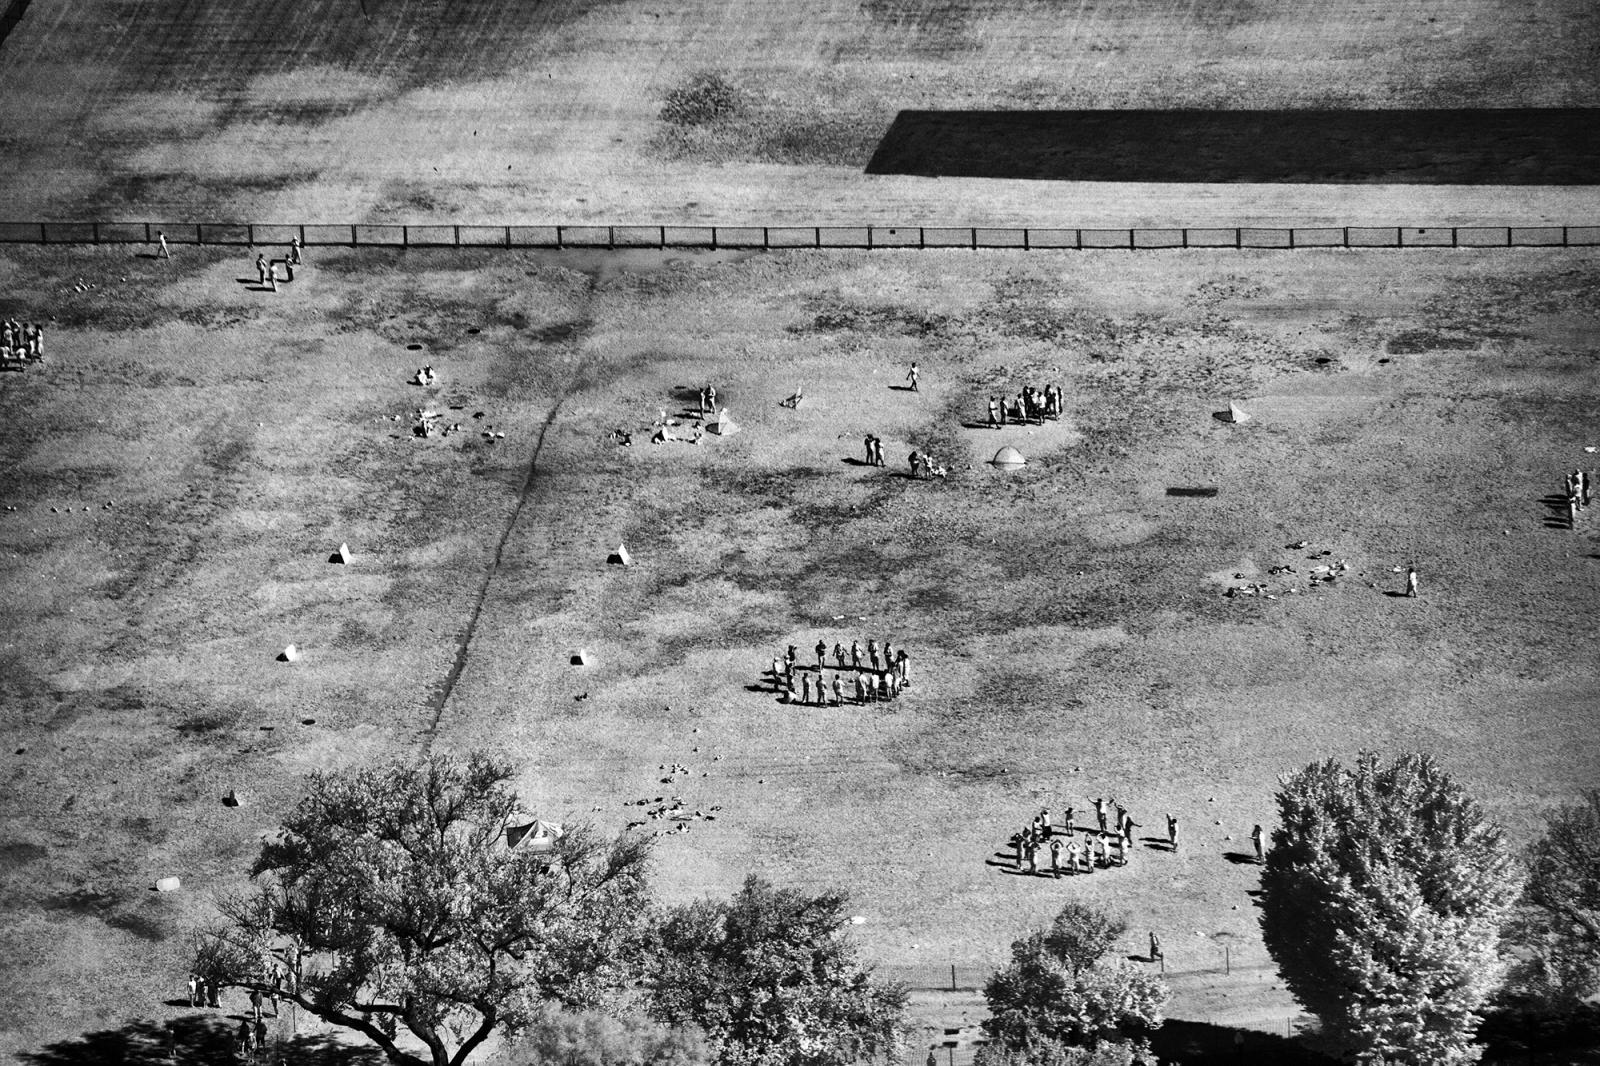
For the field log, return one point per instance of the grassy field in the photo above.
(507, 111)
(177, 473)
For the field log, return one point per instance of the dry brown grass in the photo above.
(1069, 632)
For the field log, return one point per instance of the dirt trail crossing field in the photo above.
(177, 473)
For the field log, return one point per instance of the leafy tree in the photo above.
(391, 900)
(1060, 1003)
(773, 979)
(595, 1038)
(1383, 898)
(1558, 923)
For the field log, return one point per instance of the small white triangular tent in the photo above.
(341, 556)
(620, 557)
(1233, 414)
(1008, 457)
(724, 425)
(579, 658)
(290, 654)
(537, 834)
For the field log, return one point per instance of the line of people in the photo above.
(887, 673)
(21, 342)
(1575, 487)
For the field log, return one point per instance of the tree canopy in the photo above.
(1383, 900)
(1558, 923)
(1060, 1003)
(773, 979)
(391, 900)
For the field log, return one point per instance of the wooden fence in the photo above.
(780, 237)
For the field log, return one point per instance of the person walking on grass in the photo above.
(1411, 582)
(1156, 954)
(261, 270)
(911, 376)
(1172, 831)
(1256, 838)
(162, 251)
(294, 251)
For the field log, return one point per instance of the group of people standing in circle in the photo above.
(884, 675)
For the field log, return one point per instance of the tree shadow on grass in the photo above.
(1566, 1038)
(1201, 1044)
(201, 1040)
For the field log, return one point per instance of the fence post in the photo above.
(816, 235)
(766, 240)
(456, 235)
(1130, 238)
(302, 236)
(405, 236)
(1238, 238)
(1291, 238)
(558, 237)
(922, 237)
(1453, 240)
(1399, 237)
(1185, 232)
(869, 238)
(352, 236)
(508, 236)
(1508, 236)
(661, 241)
(147, 233)
(952, 977)
(1077, 239)
(974, 238)
(94, 230)
(713, 238)
(1563, 236)
(1027, 241)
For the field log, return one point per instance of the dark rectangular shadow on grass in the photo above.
(1479, 146)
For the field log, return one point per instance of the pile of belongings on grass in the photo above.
(424, 376)
(21, 343)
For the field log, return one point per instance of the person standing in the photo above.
(1044, 823)
(1122, 812)
(711, 398)
(1126, 828)
(1256, 839)
(777, 675)
(255, 1003)
(1055, 858)
(213, 992)
(1411, 582)
(838, 691)
(195, 985)
(261, 1035)
(788, 662)
(994, 412)
(261, 270)
(1172, 831)
(872, 652)
(1073, 851)
(1100, 812)
(888, 655)
(1017, 842)
(911, 376)
(902, 663)
(1066, 816)
(1122, 851)
(1156, 954)
(855, 654)
(162, 251)
(246, 1037)
(872, 458)
(294, 251)
(861, 691)
(805, 688)
(822, 655)
(838, 654)
(1583, 485)
(1033, 858)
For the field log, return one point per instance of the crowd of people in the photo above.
(1031, 406)
(21, 343)
(882, 676)
(1105, 844)
(251, 1035)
